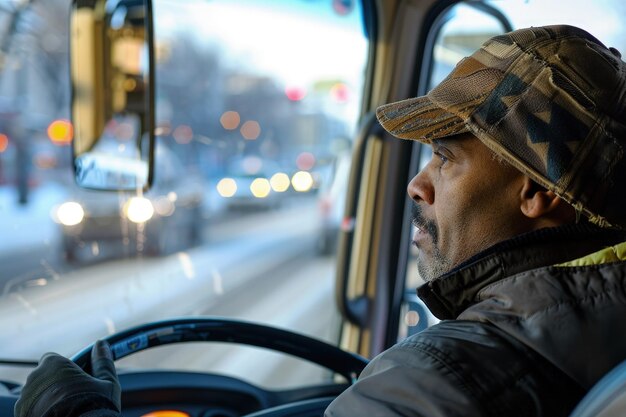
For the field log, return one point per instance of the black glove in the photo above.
(59, 387)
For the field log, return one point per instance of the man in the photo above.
(520, 219)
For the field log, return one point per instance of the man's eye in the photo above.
(441, 156)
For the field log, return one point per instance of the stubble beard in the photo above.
(433, 267)
(436, 264)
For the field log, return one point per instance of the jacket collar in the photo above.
(450, 294)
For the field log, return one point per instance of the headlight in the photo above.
(227, 187)
(302, 181)
(138, 209)
(279, 182)
(70, 213)
(260, 187)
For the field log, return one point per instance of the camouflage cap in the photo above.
(549, 100)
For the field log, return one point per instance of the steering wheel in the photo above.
(207, 329)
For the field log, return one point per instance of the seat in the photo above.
(607, 398)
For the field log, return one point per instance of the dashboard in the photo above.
(194, 394)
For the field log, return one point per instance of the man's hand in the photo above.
(59, 387)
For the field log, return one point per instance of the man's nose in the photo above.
(420, 188)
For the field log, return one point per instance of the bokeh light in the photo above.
(163, 129)
(183, 134)
(227, 187)
(230, 120)
(138, 209)
(251, 164)
(295, 93)
(343, 7)
(61, 132)
(305, 161)
(164, 206)
(302, 181)
(280, 182)
(260, 187)
(4, 142)
(70, 213)
(411, 318)
(250, 130)
(340, 93)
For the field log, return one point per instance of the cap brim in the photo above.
(419, 119)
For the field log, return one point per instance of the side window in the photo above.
(459, 32)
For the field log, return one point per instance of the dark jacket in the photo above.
(523, 334)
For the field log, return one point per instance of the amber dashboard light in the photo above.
(166, 413)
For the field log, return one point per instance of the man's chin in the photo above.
(425, 271)
(430, 269)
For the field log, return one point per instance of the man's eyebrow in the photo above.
(449, 142)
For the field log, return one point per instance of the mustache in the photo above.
(418, 220)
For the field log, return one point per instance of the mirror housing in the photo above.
(112, 105)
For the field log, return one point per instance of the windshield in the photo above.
(255, 103)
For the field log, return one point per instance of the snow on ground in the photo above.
(25, 226)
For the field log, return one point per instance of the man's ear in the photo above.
(536, 201)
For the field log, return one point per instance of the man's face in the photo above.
(464, 202)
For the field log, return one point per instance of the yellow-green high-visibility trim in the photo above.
(611, 254)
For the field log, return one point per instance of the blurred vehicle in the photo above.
(167, 218)
(253, 183)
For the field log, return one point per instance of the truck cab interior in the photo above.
(225, 292)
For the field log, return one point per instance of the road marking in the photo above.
(50, 270)
(110, 325)
(95, 249)
(218, 287)
(185, 262)
(25, 303)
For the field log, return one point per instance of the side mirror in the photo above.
(111, 58)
